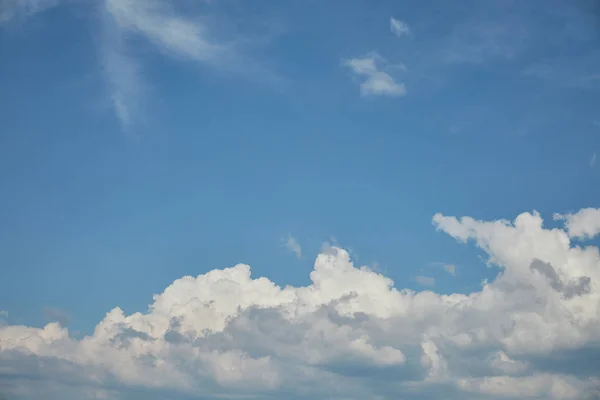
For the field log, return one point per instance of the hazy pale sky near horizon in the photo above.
(343, 199)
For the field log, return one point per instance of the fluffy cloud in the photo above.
(583, 224)
(375, 81)
(533, 332)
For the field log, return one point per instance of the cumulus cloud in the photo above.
(576, 287)
(292, 245)
(584, 224)
(399, 28)
(348, 334)
(375, 82)
(593, 159)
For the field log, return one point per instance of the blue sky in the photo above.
(141, 142)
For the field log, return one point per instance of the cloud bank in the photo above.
(534, 332)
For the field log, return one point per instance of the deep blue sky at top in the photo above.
(501, 116)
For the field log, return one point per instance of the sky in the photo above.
(342, 199)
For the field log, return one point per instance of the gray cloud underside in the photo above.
(533, 332)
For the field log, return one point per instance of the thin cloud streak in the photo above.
(125, 85)
(157, 22)
(22, 9)
(425, 280)
(292, 245)
(449, 268)
(399, 28)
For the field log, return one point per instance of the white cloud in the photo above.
(503, 363)
(124, 81)
(3, 313)
(172, 33)
(529, 333)
(186, 36)
(292, 245)
(593, 159)
(425, 280)
(584, 224)
(375, 81)
(399, 28)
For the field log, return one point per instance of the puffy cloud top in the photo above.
(349, 334)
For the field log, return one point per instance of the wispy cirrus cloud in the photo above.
(375, 81)
(580, 72)
(21, 9)
(292, 245)
(126, 23)
(124, 82)
(449, 268)
(476, 42)
(399, 28)
(171, 32)
(425, 280)
(550, 41)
